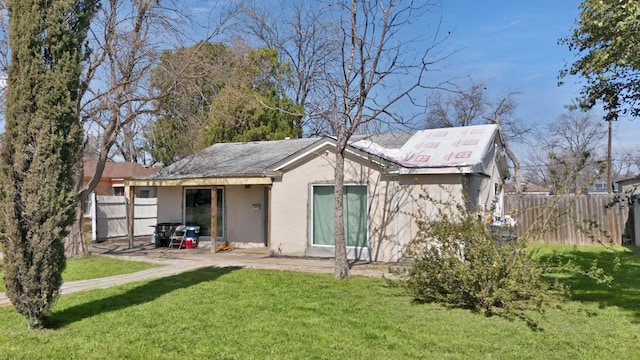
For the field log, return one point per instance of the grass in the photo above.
(623, 292)
(94, 266)
(254, 314)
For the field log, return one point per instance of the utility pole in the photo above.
(611, 105)
(609, 183)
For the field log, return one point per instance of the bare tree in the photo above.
(625, 163)
(373, 58)
(462, 107)
(114, 97)
(567, 155)
(512, 131)
(305, 35)
(126, 38)
(354, 64)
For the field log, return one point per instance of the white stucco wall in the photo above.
(390, 205)
(245, 214)
(170, 204)
(391, 200)
(290, 205)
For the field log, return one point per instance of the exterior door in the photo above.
(197, 210)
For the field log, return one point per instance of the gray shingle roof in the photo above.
(387, 140)
(233, 159)
(254, 158)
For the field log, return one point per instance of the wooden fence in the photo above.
(109, 217)
(569, 219)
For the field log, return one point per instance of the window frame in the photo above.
(221, 212)
(311, 237)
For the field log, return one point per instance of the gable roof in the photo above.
(451, 150)
(234, 159)
(392, 140)
(118, 170)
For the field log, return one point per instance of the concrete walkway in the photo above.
(178, 261)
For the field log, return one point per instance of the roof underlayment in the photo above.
(463, 147)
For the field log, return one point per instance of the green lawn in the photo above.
(255, 314)
(95, 266)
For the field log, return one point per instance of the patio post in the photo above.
(214, 218)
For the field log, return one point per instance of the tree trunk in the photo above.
(342, 264)
(75, 244)
(516, 167)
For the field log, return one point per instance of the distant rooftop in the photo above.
(118, 170)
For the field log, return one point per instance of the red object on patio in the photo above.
(185, 237)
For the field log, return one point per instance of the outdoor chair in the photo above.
(177, 239)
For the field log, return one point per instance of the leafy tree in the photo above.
(606, 41)
(186, 80)
(305, 34)
(41, 149)
(214, 93)
(254, 106)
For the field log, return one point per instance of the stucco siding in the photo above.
(245, 214)
(291, 202)
(170, 204)
(290, 205)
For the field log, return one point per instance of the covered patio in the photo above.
(227, 209)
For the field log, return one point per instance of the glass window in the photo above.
(355, 215)
(197, 210)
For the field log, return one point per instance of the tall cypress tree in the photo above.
(41, 147)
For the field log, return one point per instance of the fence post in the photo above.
(129, 202)
(93, 203)
(636, 220)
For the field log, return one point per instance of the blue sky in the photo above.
(511, 45)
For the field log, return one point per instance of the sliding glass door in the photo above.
(197, 210)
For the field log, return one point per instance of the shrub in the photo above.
(455, 259)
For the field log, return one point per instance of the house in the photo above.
(112, 180)
(629, 189)
(279, 194)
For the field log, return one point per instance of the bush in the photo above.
(456, 260)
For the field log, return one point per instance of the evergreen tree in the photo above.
(41, 149)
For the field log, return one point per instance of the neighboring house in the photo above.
(629, 187)
(112, 180)
(630, 191)
(600, 187)
(98, 222)
(279, 194)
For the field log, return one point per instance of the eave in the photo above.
(206, 181)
